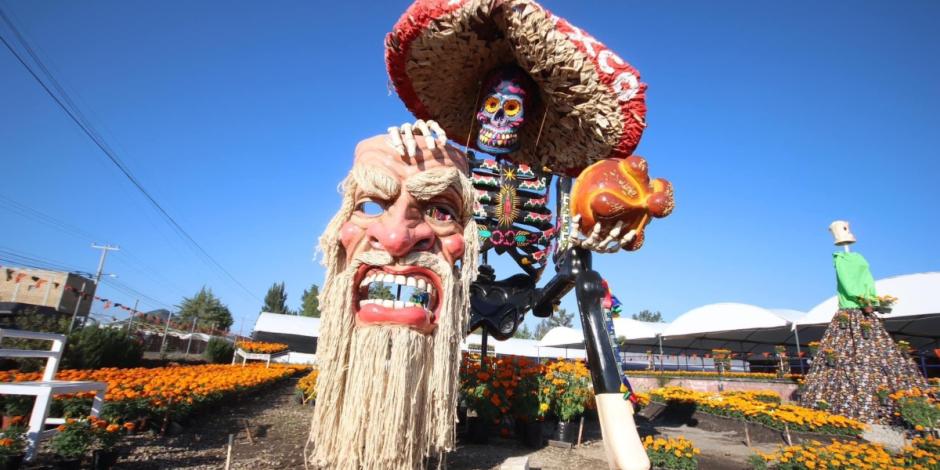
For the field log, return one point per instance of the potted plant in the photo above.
(476, 390)
(866, 328)
(526, 403)
(571, 391)
(106, 436)
(885, 302)
(830, 356)
(843, 319)
(12, 447)
(822, 405)
(867, 304)
(882, 393)
(72, 441)
(905, 347)
(15, 409)
(722, 358)
(813, 347)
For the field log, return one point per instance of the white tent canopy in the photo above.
(520, 347)
(563, 337)
(288, 324)
(630, 329)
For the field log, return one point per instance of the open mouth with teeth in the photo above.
(498, 137)
(398, 295)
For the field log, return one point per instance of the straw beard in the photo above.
(386, 394)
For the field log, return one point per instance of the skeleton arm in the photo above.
(603, 238)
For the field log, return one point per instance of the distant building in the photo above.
(62, 292)
(299, 333)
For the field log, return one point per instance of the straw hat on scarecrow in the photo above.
(591, 104)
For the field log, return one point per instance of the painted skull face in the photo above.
(502, 114)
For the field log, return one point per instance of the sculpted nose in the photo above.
(400, 232)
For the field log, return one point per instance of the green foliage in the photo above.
(207, 309)
(12, 443)
(275, 301)
(559, 318)
(756, 462)
(523, 333)
(380, 291)
(219, 351)
(34, 319)
(648, 316)
(310, 302)
(93, 348)
(73, 440)
(919, 411)
(17, 405)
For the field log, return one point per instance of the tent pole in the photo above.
(660, 336)
(796, 338)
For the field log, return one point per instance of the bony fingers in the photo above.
(394, 139)
(441, 135)
(409, 139)
(428, 138)
(626, 239)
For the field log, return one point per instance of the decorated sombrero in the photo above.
(592, 101)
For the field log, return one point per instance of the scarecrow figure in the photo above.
(543, 99)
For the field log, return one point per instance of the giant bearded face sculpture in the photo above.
(400, 256)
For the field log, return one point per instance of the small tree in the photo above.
(381, 291)
(648, 316)
(310, 302)
(275, 301)
(219, 351)
(207, 309)
(559, 318)
(523, 333)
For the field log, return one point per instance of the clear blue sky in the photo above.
(771, 119)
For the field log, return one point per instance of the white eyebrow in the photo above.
(376, 182)
(427, 184)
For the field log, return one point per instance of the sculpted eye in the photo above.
(441, 213)
(491, 104)
(512, 107)
(370, 208)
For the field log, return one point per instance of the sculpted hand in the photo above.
(603, 238)
(402, 139)
(613, 201)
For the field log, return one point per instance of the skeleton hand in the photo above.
(402, 138)
(602, 239)
(613, 201)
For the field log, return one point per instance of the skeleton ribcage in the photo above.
(512, 212)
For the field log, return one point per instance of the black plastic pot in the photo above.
(479, 430)
(566, 431)
(67, 464)
(532, 434)
(103, 459)
(12, 463)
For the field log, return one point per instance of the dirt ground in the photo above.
(279, 427)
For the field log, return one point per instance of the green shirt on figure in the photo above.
(854, 280)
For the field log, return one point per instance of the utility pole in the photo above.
(130, 319)
(166, 331)
(104, 254)
(191, 333)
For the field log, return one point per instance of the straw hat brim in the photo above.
(592, 103)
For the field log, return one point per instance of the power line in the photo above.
(102, 145)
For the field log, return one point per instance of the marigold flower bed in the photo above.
(673, 453)
(761, 407)
(760, 376)
(261, 347)
(164, 392)
(921, 454)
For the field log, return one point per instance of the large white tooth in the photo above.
(411, 282)
(398, 304)
(389, 278)
(421, 284)
(411, 304)
(430, 288)
(365, 302)
(400, 280)
(366, 281)
(388, 303)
